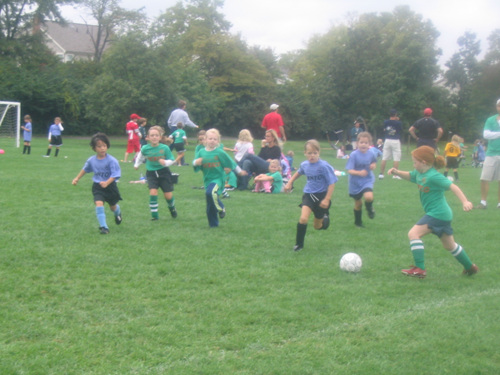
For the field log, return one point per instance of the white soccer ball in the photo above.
(351, 262)
(450, 178)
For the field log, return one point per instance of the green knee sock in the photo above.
(462, 257)
(153, 206)
(417, 250)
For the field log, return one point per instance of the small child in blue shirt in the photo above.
(318, 191)
(27, 133)
(106, 171)
(359, 166)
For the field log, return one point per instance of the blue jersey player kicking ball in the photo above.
(106, 171)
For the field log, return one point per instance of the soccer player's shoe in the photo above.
(415, 272)
(173, 212)
(326, 222)
(222, 214)
(298, 247)
(118, 219)
(471, 271)
(103, 230)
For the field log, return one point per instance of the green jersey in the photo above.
(154, 154)
(277, 182)
(179, 135)
(432, 186)
(213, 164)
(492, 124)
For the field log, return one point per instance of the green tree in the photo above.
(463, 71)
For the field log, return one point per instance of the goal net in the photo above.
(10, 121)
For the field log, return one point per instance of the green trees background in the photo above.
(362, 67)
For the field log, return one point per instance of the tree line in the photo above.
(363, 67)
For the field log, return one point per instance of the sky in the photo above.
(287, 25)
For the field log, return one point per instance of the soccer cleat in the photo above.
(222, 214)
(103, 230)
(480, 206)
(298, 247)
(173, 212)
(46, 156)
(326, 222)
(371, 214)
(471, 271)
(118, 219)
(396, 177)
(415, 272)
(154, 219)
(381, 176)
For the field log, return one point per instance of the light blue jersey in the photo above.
(360, 161)
(103, 169)
(319, 175)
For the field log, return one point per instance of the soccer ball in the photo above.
(450, 178)
(351, 262)
(2, 151)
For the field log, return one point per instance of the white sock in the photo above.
(483, 203)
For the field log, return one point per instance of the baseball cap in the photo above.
(393, 112)
(427, 112)
(134, 116)
(274, 107)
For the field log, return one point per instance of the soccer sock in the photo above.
(456, 175)
(24, 149)
(101, 216)
(48, 151)
(357, 218)
(57, 152)
(171, 203)
(301, 234)
(417, 250)
(117, 211)
(369, 206)
(462, 257)
(29, 150)
(153, 206)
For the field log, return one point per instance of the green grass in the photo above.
(175, 297)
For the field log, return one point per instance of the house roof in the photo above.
(73, 37)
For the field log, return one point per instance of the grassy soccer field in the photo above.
(175, 297)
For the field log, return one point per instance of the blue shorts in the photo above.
(438, 227)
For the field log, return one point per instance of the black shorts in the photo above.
(358, 196)
(451, 162)
(110, 195)
(312, 201)
(161, 178)
(179, 147)
(56, 140)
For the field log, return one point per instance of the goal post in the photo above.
(10, 121)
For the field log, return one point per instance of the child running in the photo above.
(179, 139)
(438, 215)
(212, 160)
(158, 158)
(452, 153)
(106, 171)
(359, 166)
(318, 191)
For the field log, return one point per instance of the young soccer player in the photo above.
(106, 171)
(158, 158)
(179, 141)
(452, 153)
(27, 133)
(438, 215)
(55, 136)
(212, 160)
(318, 191)
(359, 166)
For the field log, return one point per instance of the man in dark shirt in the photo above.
(427, 130)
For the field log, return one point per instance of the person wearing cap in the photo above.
(180, 115)
(491, 165)
(133, 136)
(359, 126)
(426, 131)
(274, 121)
(393, 128)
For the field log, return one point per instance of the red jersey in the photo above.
(273, 121)
(132, 130)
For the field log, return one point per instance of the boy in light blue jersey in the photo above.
(106, 171)
(27, 133)
(318, 191)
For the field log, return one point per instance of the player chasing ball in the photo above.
(438, 215)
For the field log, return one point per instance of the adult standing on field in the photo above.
(491, 165)
(274, 121)
(427, 131)
(180, 115)
(393, 128)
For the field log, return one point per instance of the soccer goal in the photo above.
(10, 120)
